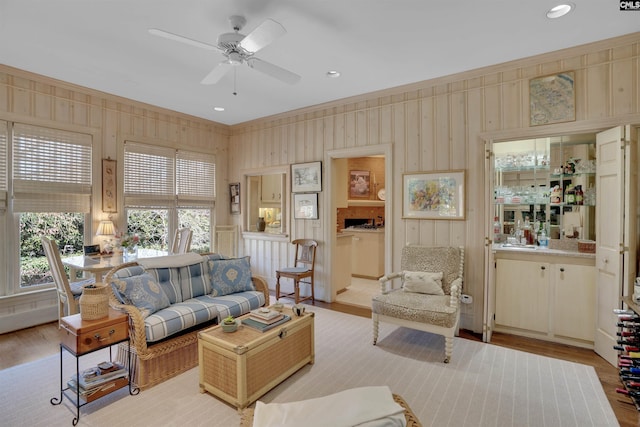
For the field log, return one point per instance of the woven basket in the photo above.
(587, 246)
(94, 302)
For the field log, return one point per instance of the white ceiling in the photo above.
(375, 44)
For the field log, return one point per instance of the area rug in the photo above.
(484, 385)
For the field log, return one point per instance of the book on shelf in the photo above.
(265, 313)
(267, 322)
(252, 323)
(89, 381)
(97, 392)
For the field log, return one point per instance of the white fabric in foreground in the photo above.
(180, 260)
(364, 406)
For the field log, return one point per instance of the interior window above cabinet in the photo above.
(544, 188)
(266, 207)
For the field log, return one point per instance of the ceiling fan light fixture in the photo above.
(219, 109)
(560, 10)
(333, 74)
(235, 58)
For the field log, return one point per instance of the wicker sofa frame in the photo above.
(154, 363)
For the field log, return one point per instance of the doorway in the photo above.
(331, 201)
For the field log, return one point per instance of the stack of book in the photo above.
(105, 377)
(264, 319)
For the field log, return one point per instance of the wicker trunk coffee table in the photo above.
(239, 367)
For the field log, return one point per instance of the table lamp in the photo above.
(106, 228)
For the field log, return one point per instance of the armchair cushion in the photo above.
(434, 310)
(143, 292)
(423, 282)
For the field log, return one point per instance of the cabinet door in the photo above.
(271, 191)
(575, 301)
(522, 294)
(368, 255)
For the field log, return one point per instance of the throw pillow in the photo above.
(423, 282)
(229, 276)
(143, 292)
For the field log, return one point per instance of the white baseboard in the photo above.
(27, 310)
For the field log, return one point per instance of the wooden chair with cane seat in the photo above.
(181, 241)
(68, 292)
(303, 268)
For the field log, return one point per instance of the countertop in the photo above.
(537, 250)
(362, 230)
(343, 234)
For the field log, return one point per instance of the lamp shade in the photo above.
(106, 228)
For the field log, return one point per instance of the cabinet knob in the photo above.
(562, 269)
(543, 267)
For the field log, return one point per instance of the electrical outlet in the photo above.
(466, 299)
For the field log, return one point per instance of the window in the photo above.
(51, 194)
(166, 189)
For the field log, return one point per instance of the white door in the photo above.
(610, 202)
(489, 280)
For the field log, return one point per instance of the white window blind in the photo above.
(195, 178)
(4, 134)
(52, 170)
(157, 176)
(149, 174)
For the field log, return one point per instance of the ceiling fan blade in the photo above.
(274, 71)
(217, 73)
(181, 39)
(263, 35)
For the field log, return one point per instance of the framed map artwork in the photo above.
(552, 99)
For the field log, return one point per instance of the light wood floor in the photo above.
(35, 343)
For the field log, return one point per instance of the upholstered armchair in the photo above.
(429, 296)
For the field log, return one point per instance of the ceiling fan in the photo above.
(239, 49)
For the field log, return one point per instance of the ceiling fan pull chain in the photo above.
(235, 78)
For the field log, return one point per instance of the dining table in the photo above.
(99, 265)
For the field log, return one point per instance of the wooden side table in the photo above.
(80, 337)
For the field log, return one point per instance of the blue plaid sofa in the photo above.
(169, 299)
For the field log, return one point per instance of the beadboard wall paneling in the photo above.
(443, 124)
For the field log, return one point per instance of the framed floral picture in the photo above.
(434, 195)
(109, 190)
(359, 184)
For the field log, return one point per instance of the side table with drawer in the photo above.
(80, 337)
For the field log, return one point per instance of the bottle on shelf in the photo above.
(528, 232)
(579, 195)
(570, 195)
(497, 230)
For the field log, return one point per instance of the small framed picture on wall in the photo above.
(234, 193)
(359, 184)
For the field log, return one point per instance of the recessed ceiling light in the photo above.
(560, 10)
(333, 74)
(218, 108)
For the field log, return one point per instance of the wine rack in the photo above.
(628, 346)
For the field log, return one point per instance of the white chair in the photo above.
(68, 292)
(424, 302)
(181, 241)
(226, 240)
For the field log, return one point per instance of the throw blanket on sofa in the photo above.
(364, 406)
(167, 261)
